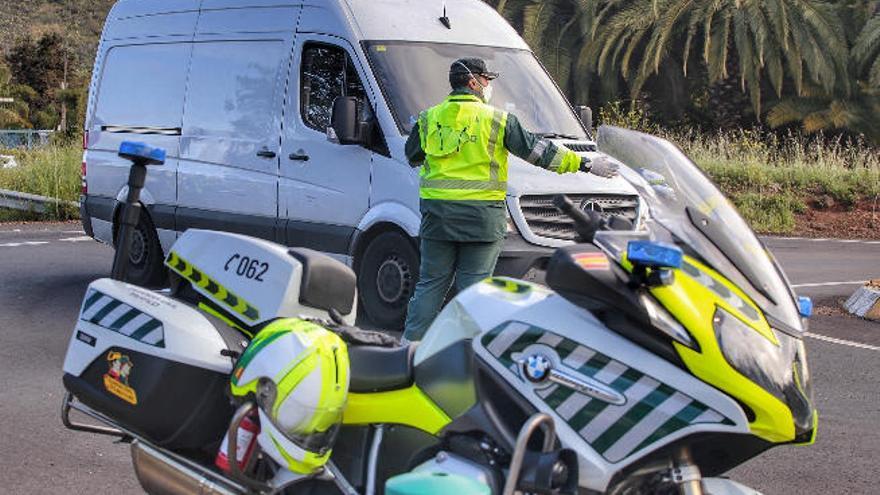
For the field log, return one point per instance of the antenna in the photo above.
(445, 20)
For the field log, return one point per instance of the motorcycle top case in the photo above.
(254, 281)
(153, 364)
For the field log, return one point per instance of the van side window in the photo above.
(326, 73)
(142, 86)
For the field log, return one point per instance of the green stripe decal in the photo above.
(105, 311)
(558, 396)
(92, 300)
(145, 329)
(681, 419)
(122, 320)
(621, 384)
(596, 363)
(632, 418)
(565, 348)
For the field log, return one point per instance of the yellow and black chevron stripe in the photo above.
(220, 294)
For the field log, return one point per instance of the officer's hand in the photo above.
(568, 166)
(603, 167)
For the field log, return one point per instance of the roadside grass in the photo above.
(52, 171)
(771, 178)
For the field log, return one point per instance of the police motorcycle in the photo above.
(660, 356)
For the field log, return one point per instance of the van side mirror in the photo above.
(350, 122)
(585, 113)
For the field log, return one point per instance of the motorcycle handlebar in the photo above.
(586, 223)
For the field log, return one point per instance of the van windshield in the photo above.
(415, 76)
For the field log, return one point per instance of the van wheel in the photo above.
(389, 270)
(145, 259)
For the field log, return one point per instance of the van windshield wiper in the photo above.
(554, 135)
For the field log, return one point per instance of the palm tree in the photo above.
(801, 41)
(858, 110)
(866, 49)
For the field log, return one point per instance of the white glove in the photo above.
(603, 167)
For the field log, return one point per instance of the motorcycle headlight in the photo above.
(780, 369)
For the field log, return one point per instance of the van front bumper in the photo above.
(521, 259)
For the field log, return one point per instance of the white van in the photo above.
(240, 94)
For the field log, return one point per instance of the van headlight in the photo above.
(780, 369)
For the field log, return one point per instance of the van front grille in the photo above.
(544, 220)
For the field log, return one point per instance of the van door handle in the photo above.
(265, 153)
(299, 155)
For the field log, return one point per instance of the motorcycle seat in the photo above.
(380, 369)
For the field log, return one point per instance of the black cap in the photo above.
(475, 66)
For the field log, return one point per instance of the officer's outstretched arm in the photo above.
(539, 151)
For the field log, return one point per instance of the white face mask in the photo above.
(487, 92)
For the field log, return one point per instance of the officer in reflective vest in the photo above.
(462, 146)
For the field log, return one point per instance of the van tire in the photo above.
(145, 260)
(387, 276)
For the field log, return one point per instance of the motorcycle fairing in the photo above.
(652, 411)
(693, 301)
(492, 310)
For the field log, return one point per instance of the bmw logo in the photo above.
(536, 367)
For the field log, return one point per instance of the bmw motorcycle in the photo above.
(658, 356)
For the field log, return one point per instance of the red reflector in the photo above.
(85, 187)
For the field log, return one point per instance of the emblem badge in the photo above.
(537, 367)
(116, 378)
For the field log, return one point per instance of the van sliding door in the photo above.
(230, 143)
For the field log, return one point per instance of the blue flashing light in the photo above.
(805, 306)
(137, 151)
(653, 254)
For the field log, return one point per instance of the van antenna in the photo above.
(445, 20)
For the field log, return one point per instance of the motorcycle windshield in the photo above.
(686, 203)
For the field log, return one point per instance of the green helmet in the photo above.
(297, 372)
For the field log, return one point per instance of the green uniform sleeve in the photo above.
(414, 152)
(534, 149)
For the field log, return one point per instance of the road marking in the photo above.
(23, 243)
(829, 284)
(849, 343)
(76, 239)
(823, 239)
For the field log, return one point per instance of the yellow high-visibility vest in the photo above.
(465, 157)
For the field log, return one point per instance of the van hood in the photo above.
(524, 178)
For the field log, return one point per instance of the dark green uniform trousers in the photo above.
(466, 262)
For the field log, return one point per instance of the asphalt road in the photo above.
(45, 268)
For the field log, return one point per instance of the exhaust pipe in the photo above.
(159, 473)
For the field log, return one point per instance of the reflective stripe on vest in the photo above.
(465, 157)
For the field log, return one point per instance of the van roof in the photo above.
(472, 22)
